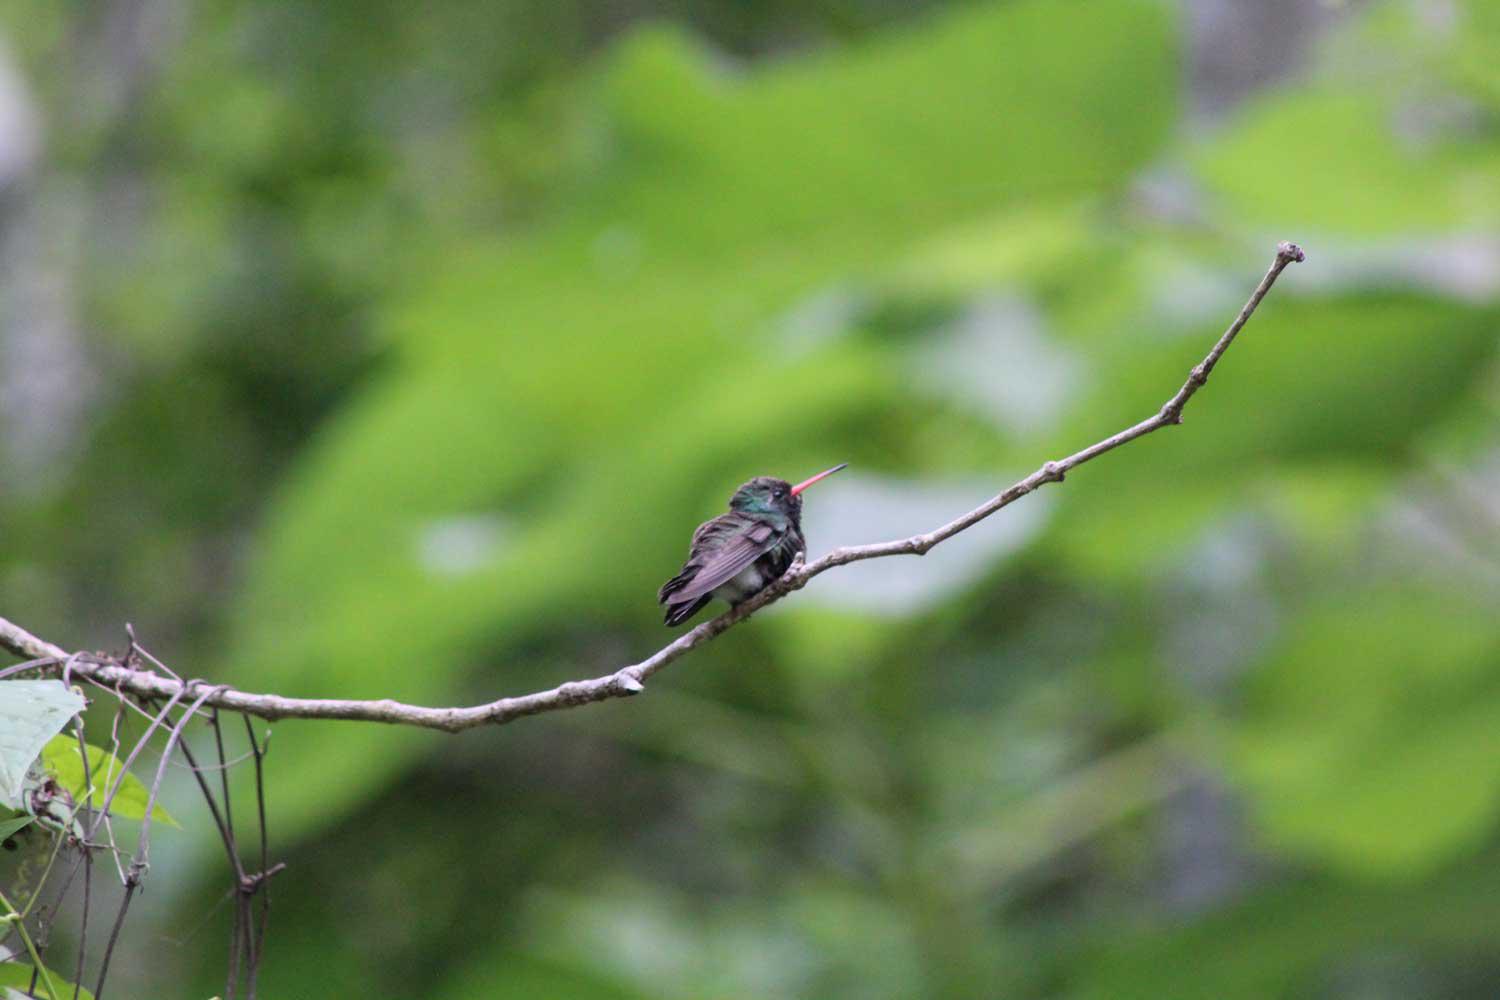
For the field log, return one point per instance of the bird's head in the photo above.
(769, 495)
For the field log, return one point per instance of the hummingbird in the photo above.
(736, 555)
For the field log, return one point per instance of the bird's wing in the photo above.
(736, 554)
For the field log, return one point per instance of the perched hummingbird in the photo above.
(737, 554)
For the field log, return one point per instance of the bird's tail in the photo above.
(679, 613)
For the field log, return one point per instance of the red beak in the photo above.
(822, 475)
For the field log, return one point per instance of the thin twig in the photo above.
(83, 922)
(144, 840)
(135, 751)
(631, 679)
(224, 822)
(138, 650)
(114, 748)
(258, 941)
(224, 784)
(138, 862)
(84, 857)
(243, 930)
(225, 834)
(41, 882)
(207, 768)
(21, 668)
(12, 916)
(114, 936)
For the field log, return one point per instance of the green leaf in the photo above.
(63, 761)
(30, 713)
(15, 977)
(14, 825)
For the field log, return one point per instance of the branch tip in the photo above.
(1291, 253)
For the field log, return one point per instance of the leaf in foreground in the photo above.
(31, 712)
(14, 825)
(15, 979)
(64, 762)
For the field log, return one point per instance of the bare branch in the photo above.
(631, 679)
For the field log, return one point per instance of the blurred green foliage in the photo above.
(517, 400)
(440, 334)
